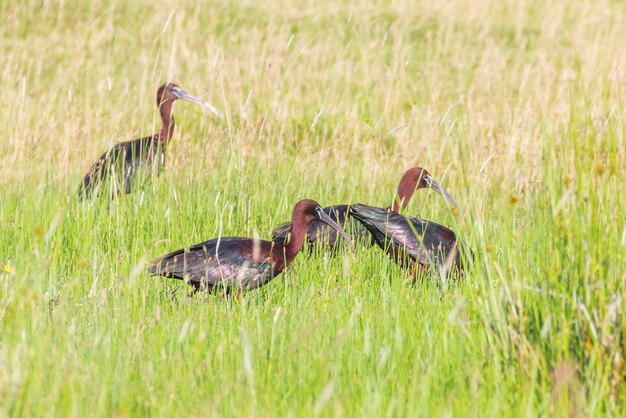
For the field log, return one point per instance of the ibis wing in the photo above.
(423, 241)
(100, 169)
(121, 160)
(397, 236)
(280, 235)
(218, 262)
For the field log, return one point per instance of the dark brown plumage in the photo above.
(413, 179)
(412, 242)
(122, 162)
(229, 263)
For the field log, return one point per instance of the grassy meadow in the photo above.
(516, 107)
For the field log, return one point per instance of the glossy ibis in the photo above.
(241, 263)
(413, 179)
(122, 162)
(412, 242)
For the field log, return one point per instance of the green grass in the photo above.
(516, 108)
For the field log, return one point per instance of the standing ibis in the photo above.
(122, 162)
(233, 263)
(412, 242)
(413, 179)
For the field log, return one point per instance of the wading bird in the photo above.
(122, 162)
(412, 242)
(413, 179)
(234, 263)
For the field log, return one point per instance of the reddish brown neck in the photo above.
(168, 121)
(406, 188)
(299, 229)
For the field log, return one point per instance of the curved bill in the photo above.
(322, 216)
(436, 187)
(183, 95)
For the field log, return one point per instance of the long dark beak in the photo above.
(322, 216)
(436, 187)
(183, 95)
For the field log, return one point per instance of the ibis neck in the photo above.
(298, 235)
(168, 121)
(402, 199)
(406, 188)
